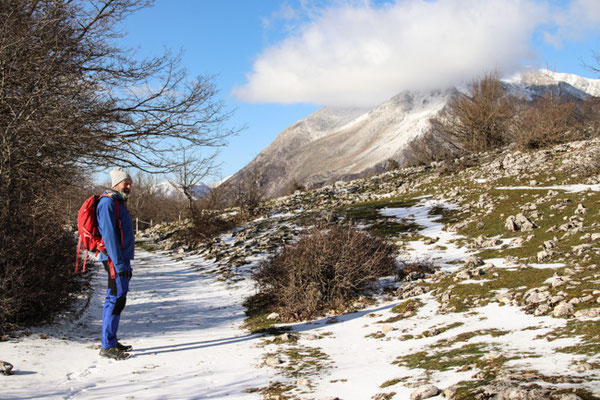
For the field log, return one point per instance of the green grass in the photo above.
(379, 225)
(256, 317)
(587, 331)
(443, 360)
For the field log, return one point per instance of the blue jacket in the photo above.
(109, 229)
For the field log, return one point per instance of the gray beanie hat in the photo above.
(117, 175)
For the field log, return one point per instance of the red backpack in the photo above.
(87, 226)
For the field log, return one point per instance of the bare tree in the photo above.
(547, 121)
(192, 172)
(248, 192)
(479, 121)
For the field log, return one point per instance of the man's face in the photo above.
(124, 187)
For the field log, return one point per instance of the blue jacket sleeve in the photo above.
(109, 229)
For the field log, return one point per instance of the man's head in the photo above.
(121, 182)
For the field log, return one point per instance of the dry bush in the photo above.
(591, 120)
(148, 206)
(207, 224)
(248, 193)
(546, 122)
(478, 122)
(324, 270)
(430, 147)
(37, 257)
(413, 268)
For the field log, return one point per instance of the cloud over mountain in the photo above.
(360, 53)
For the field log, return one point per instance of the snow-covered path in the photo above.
(184, 325)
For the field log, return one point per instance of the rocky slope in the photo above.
(342, 144)
(515, 240)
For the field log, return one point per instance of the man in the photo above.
(114, 224)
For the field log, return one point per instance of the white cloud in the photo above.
(574, 21)
(361, 54)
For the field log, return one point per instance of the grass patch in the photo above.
(256, 317)
(409, 306)
(380, 225)
(444, 360)
(391, 382)
(587, 331)
(463, 296)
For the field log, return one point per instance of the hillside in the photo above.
(512, 311)
(342, 144)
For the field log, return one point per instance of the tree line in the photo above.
(491, 117)
(72, 101)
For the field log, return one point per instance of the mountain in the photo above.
(167, 189)
(346, 143)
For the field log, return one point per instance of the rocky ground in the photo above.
(517, 231)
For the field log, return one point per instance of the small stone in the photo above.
(424, 392)
(570, 396)
(491, 357)
(541, 310)
(5, 368)
(273, 316)
(588, 313)
(563, 310)
(584, 367)
(473, 261)
(511, 224)
(302, 382)
(273, 361)
(449, 393)
(387, 328)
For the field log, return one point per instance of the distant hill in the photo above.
(167, 189)
(346, 143)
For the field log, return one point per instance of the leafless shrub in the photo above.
(147, 205)
(591, 114)
(248, 193)
(431, 146)
(324, 270)
(207, 224)
(36, 264)
(546, 122)
(414, 268)
(480, 121)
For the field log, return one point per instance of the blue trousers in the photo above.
(116, 297)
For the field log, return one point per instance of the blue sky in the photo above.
(277, 61)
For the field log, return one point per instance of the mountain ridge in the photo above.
(346, 143)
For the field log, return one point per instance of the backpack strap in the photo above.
(117, 220)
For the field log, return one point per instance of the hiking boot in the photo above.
(123, 347)
(114, 353)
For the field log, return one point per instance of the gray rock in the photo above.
(5, 368)
(449, 393)
(581, 248)
(473, 261)
(569, 396)
(387, 328)
(424, 392)
(273, 316)
(563, 310)
(588, 313)
(273, 361)
(542, 309)
(524, 223)
(511, 224)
